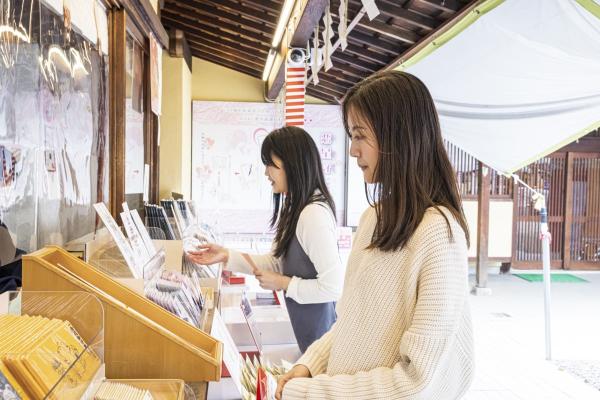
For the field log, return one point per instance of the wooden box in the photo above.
(142, 340)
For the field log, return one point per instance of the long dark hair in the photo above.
(305, 180)
(413, 172)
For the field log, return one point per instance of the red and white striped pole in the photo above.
(295, 76)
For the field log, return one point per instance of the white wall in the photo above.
(501, 219)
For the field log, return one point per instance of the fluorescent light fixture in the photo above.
(269, 64)
(283, 20)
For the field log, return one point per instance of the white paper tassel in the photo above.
(371, 7)
(343, 25)
(327, 37)
(315, 57)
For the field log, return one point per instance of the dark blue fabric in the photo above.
(309, 321)
(11, 273)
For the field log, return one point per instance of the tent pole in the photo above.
(545, 236)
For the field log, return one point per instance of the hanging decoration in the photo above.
(315, 57)
(295, 76)
(327, 38)
(155, 75)
(343, 25)
(102, 27)
(371, 7)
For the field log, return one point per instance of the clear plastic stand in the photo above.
(68, 361)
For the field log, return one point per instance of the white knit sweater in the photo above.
(404, 328)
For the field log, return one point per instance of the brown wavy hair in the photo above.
(413, 172)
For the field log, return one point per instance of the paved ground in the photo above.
(509, 335)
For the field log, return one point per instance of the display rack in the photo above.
(142, 340)
(160, 389)
(67, 361)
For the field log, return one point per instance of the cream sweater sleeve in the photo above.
(316, 356)
(421, 370)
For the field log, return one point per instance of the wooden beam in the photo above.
(252, 13)
(227, 63)
(151, 145)
(332, 88)
(515, 216)
(271, 7)
(308, 21)
(368, 55)
(228, 55)
(443, 5)
(214, 40)
(117, 78)
(374, 42)
(203, 11)
(232, 51)
(332, 82)
(392, 32)
(142, 13)
(568, 211)
(338, 74)
(406, 16)
(328, 91)
(483, 224)
(435, 33)
(302, 31)
(178, 46)
(356, 63)
(323, 94)
(200, 30)
(222, 26)
(350, 73)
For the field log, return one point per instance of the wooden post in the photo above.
(568, 211)
(515, 224)
(117, 80)
(483, 225)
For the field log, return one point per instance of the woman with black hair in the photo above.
(304, 262)
(403, 329)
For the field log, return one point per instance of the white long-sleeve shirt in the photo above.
(403, 329)
(316, 232)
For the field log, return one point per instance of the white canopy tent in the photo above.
(516, 79)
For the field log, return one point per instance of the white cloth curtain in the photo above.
(520, 82)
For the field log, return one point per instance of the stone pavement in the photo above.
(509, 340)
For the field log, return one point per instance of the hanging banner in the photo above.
(343, 25)
(371, 7)
(315, 57)
(295, 76)
(102, 28)
(82, 14)
(327, 38)
(155, 75)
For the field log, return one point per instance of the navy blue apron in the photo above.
(309, 321)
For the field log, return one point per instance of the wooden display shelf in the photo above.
(141, 339)
(161, 389)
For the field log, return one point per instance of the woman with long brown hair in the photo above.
(304, 262)
(404, 328)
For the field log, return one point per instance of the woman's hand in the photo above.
(272, 280)
(299, 371)
(209, 254)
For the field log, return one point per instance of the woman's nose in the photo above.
(353, 150)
